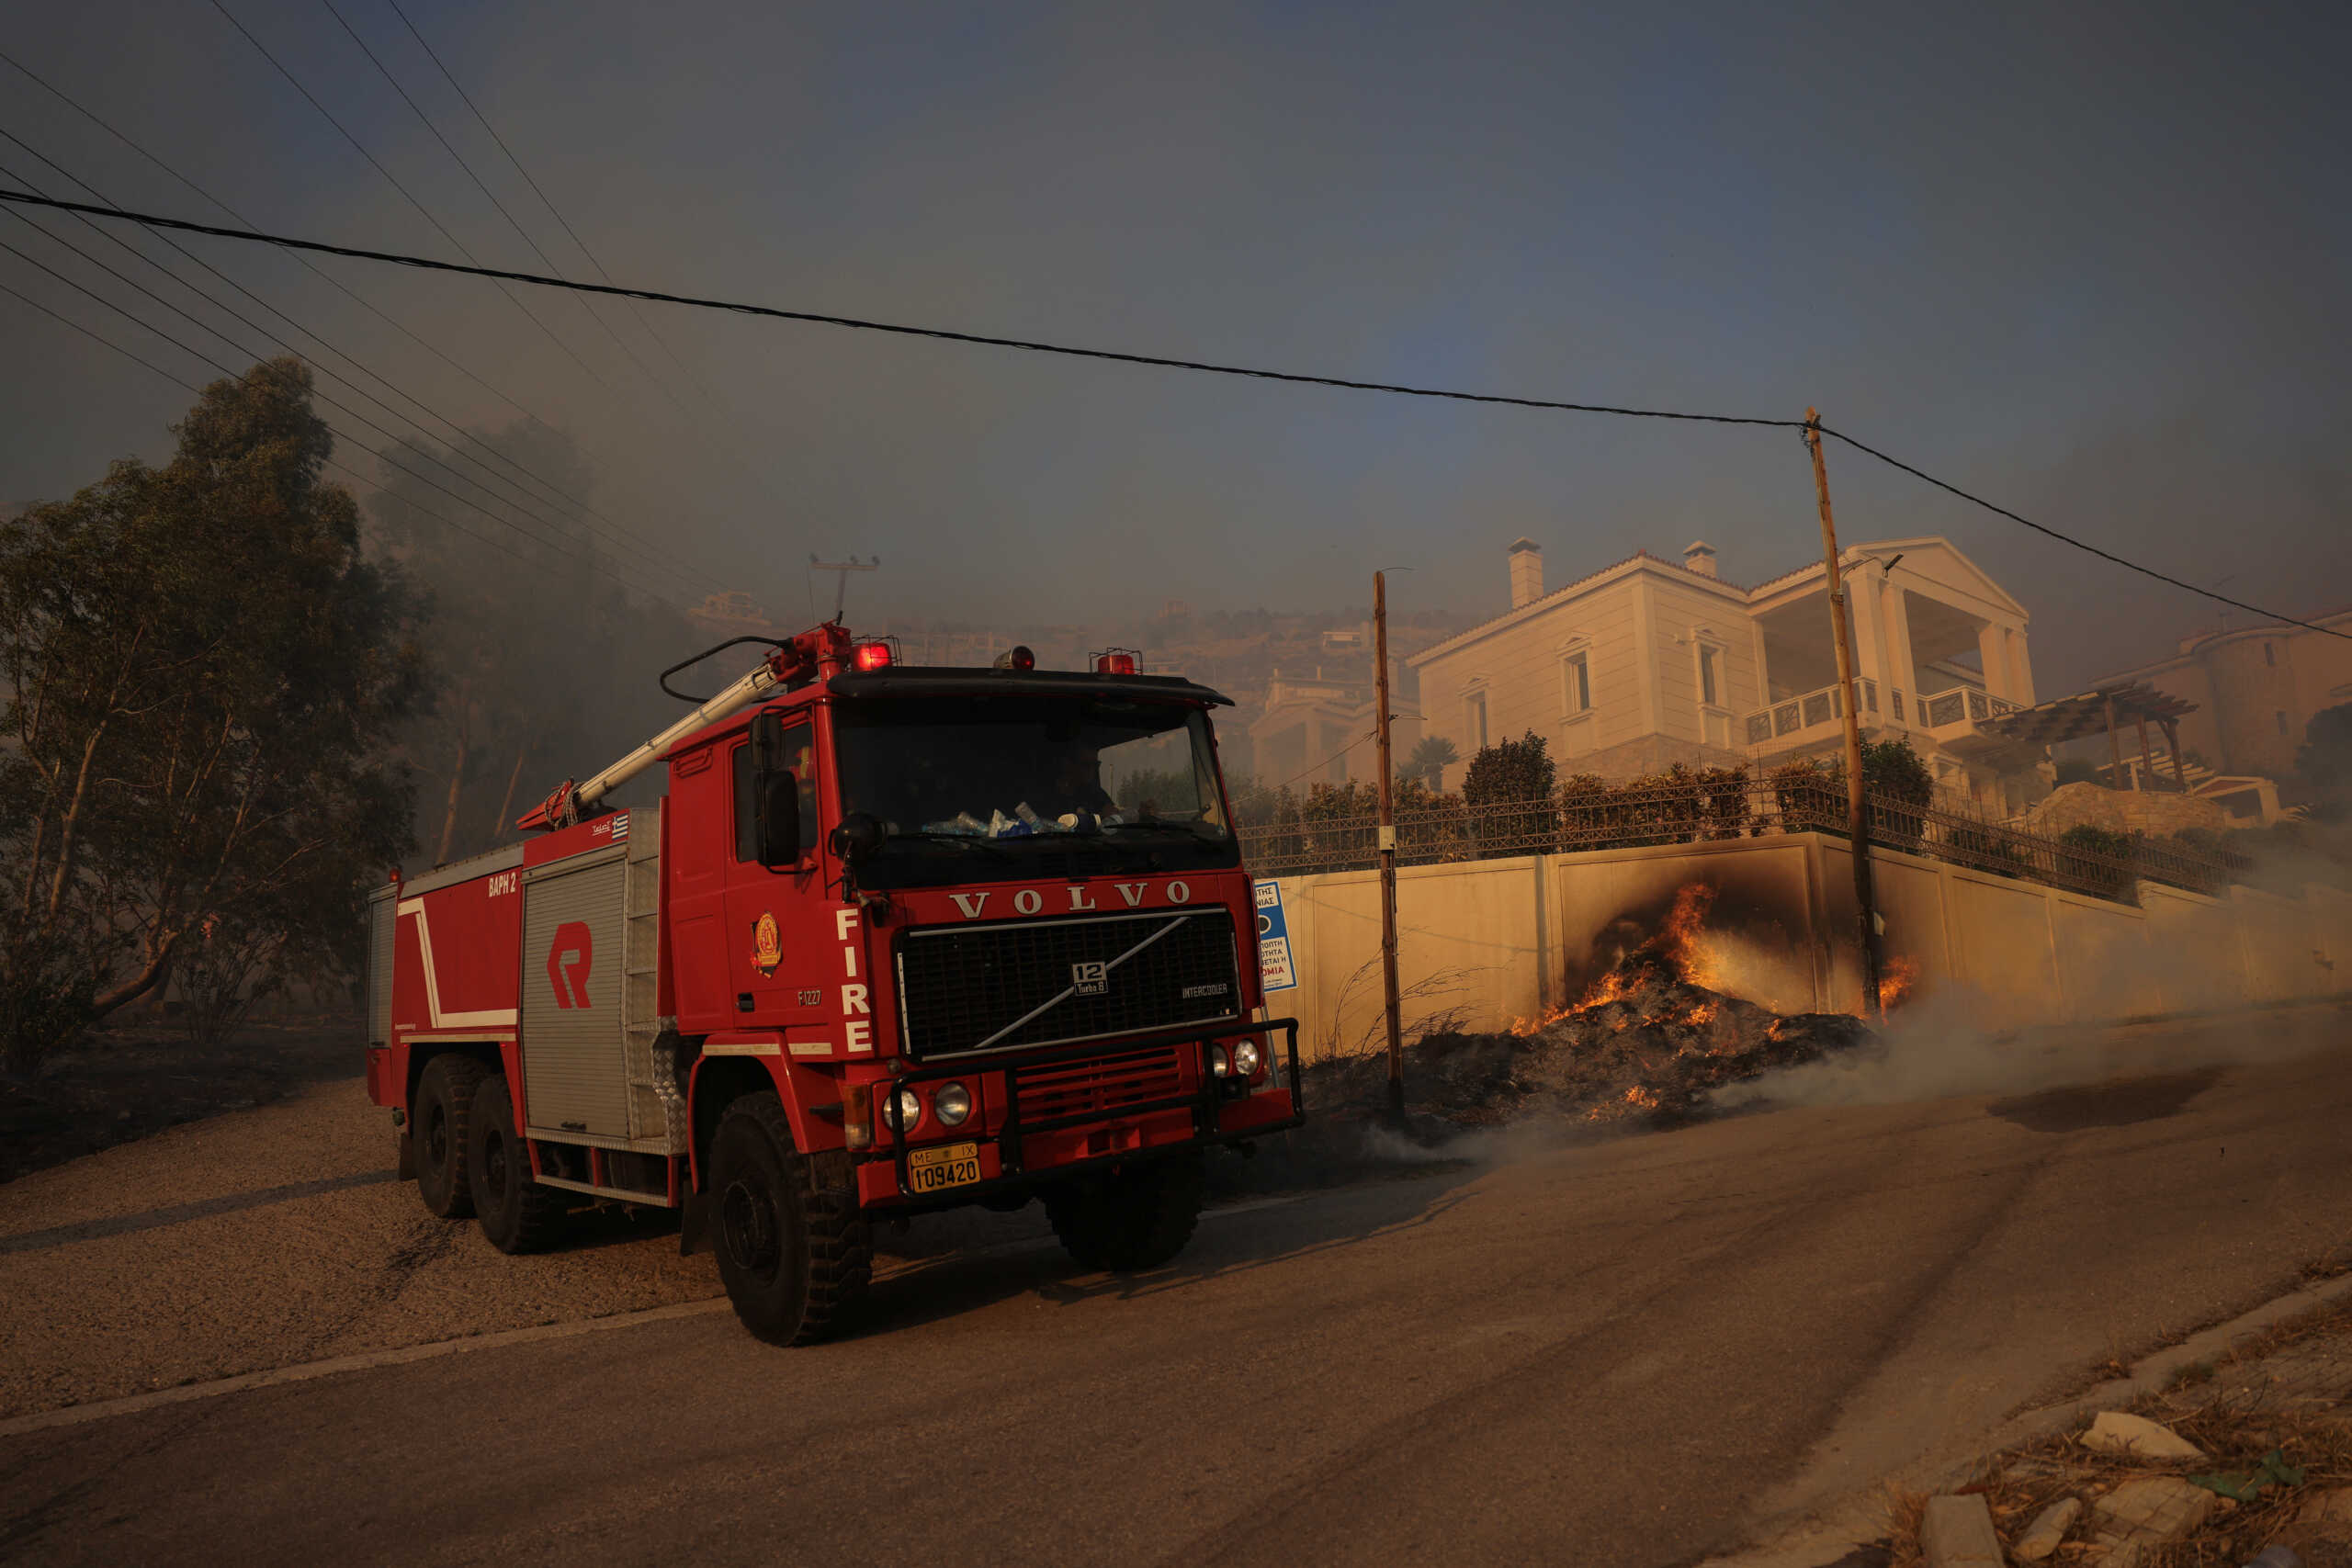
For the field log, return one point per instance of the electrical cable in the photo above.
(695, 429)
(589, 558)
(191, 386)
(545, 200)
(331, 281)
(653, 560)
(1156, 361)
(556, 544)
(404, 191)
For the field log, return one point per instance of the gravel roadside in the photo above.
(269, 1237)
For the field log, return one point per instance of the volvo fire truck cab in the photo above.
(896, 939)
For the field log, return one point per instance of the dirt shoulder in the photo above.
(121, 1085)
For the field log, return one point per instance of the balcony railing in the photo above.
(1794, 716)
(1962, 703)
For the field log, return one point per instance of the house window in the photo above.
(1474, 720)
(1710, 684)
(1576, 685)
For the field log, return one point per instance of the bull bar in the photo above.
(1204, 1105)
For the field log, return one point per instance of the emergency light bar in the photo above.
(872, 656)
(1115, 661)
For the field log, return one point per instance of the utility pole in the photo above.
(843, 568)
(1858, 826)
(1387, 849)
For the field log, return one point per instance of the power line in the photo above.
(589, 558)
(443, 228)
(1156, 361)
(545, 200)
(331, 281)
(593, 314)
(191, 386)
(652, 560)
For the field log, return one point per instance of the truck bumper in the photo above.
(1025, 1153)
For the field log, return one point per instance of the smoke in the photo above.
(1939, 1050)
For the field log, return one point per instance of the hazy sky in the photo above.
(2088, 260)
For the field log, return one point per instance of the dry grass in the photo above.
(2236, 1431)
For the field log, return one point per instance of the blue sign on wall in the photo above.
(1274, 968)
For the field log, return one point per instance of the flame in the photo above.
(1701, 1015)
(1682, 938)
(1641, 1099)
(1895, 981)
(1681, 942)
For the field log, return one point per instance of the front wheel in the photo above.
(1131, 1219)
(794, 1258)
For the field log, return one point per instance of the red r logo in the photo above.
(568, 959)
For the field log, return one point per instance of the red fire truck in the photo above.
(896, 939)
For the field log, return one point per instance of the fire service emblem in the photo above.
(767, 945)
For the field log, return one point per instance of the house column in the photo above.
(1899, 672)
(2020, 670)
(1993, 653)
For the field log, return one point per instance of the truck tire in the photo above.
(444, 1101)
(1130, 1219)
(517, 1214)
(794, 1258)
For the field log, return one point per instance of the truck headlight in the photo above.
(1219, 1062)
(1247, 1056)
(951, 1103)
(902, 1110)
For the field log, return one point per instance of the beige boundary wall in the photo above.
(1483, 943)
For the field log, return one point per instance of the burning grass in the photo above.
(1651, 1038)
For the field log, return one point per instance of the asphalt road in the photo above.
(1625, 1354)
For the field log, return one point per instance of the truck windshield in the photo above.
(993, 785)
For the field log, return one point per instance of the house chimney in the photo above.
(1700, 556)
(1526, 572)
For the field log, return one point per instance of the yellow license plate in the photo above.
(952, 1165)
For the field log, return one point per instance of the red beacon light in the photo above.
(1115, 661)
(1020, 657)
(872, 656)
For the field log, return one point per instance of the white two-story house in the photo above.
(1650, 661)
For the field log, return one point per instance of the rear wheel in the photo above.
(444, 1098)
(794, 1258)
(1130, 1219)
(517, 1214)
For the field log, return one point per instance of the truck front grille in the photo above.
(1101, 1084)
(1045, 982)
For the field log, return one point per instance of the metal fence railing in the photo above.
(1586, 816)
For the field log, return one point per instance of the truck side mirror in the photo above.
(859, 835)
(779, 818)
(767, 741)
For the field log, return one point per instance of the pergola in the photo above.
(2066, 718)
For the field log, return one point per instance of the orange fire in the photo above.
(1895, 981)
(1681, 941)
(1683, 936)
(1701, 1015)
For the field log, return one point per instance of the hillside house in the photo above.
(1649, 661)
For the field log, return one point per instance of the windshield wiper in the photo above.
(969, 841)
(1205, 832)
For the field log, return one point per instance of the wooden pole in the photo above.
(2114, 747)
(2147, 779)
(2171, 744)
(1858, 826)
(1388, 850)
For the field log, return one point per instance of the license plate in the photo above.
(952, 1165)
